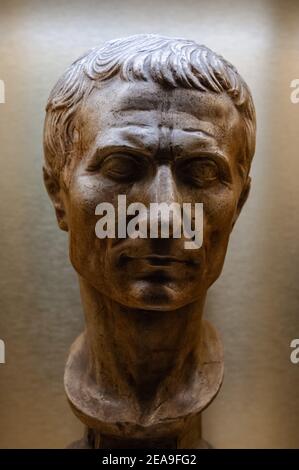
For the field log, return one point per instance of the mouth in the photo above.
(159, 261)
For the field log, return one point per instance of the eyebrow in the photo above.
(205, 153)
(133, 143)
(102, 152)
(105, 150)
(195, 130)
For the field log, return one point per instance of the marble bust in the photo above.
(158, 120)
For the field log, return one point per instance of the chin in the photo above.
(155, 296)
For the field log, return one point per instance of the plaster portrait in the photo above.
(158, 120)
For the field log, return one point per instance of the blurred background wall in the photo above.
(255, 304)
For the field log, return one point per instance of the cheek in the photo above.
(87, 251)
(219, 211)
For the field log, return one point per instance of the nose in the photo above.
(163, 186)
(164, 222)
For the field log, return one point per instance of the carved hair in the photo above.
(171, 62)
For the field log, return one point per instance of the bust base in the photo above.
(109, 426)
(93, 440)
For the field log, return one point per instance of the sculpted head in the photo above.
(158, 120)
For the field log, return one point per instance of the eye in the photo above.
(201, 172)
(122, 168)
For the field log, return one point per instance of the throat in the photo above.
(142, 354)
(139, 373)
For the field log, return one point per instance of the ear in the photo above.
(242, 199)
(55, 194)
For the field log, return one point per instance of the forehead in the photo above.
(131, 111)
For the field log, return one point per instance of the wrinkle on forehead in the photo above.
(137, 112)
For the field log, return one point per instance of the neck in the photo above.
(146, 370)
(140, 352)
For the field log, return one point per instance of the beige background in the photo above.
(255, 304)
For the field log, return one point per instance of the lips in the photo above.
(154, 254)
(158, 261)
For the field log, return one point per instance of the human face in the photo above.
(153, 144)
